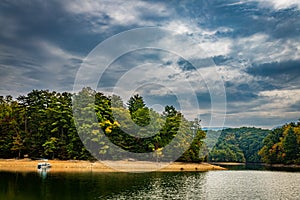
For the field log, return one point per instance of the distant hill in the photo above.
(235, 144)
(282, 145)
(214, 128)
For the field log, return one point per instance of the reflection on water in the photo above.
(182, 185)
(165, 186)
(253, 185)
(43, 172)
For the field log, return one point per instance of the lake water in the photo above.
(229, 184)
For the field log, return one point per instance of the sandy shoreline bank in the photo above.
(27, 165)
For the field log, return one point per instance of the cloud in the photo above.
(278, 5)
(161, 78)
(10, 27)
(49, 67)
(275, 105)
(254, 44)
(260, 48)
(104, 14)
(286, 72)
(280, 101)
(246, 18)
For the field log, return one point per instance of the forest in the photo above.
(255, 145)
(89, 125)
(282, 145)
(44, 124)
(237, 145)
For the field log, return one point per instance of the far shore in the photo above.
(228, 163)
(295, 166)
(28, 165)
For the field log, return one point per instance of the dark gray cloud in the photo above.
(221, 59)
(248, 18)
(240, 96)
(284, 23)
(204, 100)
(286, 72)
(121, 65)
(248, 91)
(185, 65)
(48, 21)
(295, 106)
(165, 100)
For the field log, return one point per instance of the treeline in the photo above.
(282, 145)
(39, 125)
(237, 144)
(89, 125)
(254, 145)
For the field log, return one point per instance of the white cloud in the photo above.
(269, 104)
(117, 12)
(274, 4)
(180, 27)
(277, 4)
(54, 52)
(234, 74)
(104, 14)
(278, 103)
(261, 48)
(281, 99)
(268, 110)
(218, 47)
(185, 26)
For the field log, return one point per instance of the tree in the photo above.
(291, 147)
(43, 124)
(50, 146)
(12, 137)
(138, 111)
(237, 144)
(91, 110)
(282, 145)
(18, 144)
(136, 102)
(116, 101)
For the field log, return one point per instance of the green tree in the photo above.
(12, 138)
(138, 110)
(91, 109)
(282, 145)
(238, 145)
(291, 147)
(116, 101)
(50, 147)
(42, 124)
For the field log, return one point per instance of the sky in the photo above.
(232, 63)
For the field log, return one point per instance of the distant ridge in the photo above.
(214, 128)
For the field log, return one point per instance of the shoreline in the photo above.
(228, 163)
(27, 165)
(292, 166)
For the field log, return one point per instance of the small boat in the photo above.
(43, 165)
